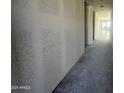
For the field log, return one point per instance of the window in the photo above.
(106, 25)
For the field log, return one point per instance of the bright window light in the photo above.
(106, 25)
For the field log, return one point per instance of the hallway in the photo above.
(92, 73)
(49, 44)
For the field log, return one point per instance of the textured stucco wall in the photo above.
(47, 39)
(89, 15)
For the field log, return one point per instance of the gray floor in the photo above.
(93, 73)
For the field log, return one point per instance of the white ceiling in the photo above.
(98, 3)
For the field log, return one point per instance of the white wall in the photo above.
(89, 26)
(47, 40)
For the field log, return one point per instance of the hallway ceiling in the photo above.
(99, 5)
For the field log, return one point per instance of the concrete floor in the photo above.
(93, 73)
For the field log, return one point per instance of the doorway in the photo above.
(93, 25)
(85, 22)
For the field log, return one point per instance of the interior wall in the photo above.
(89, 22)
(47, 40)
(111, 33)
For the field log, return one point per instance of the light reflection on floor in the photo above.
(103, 36)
